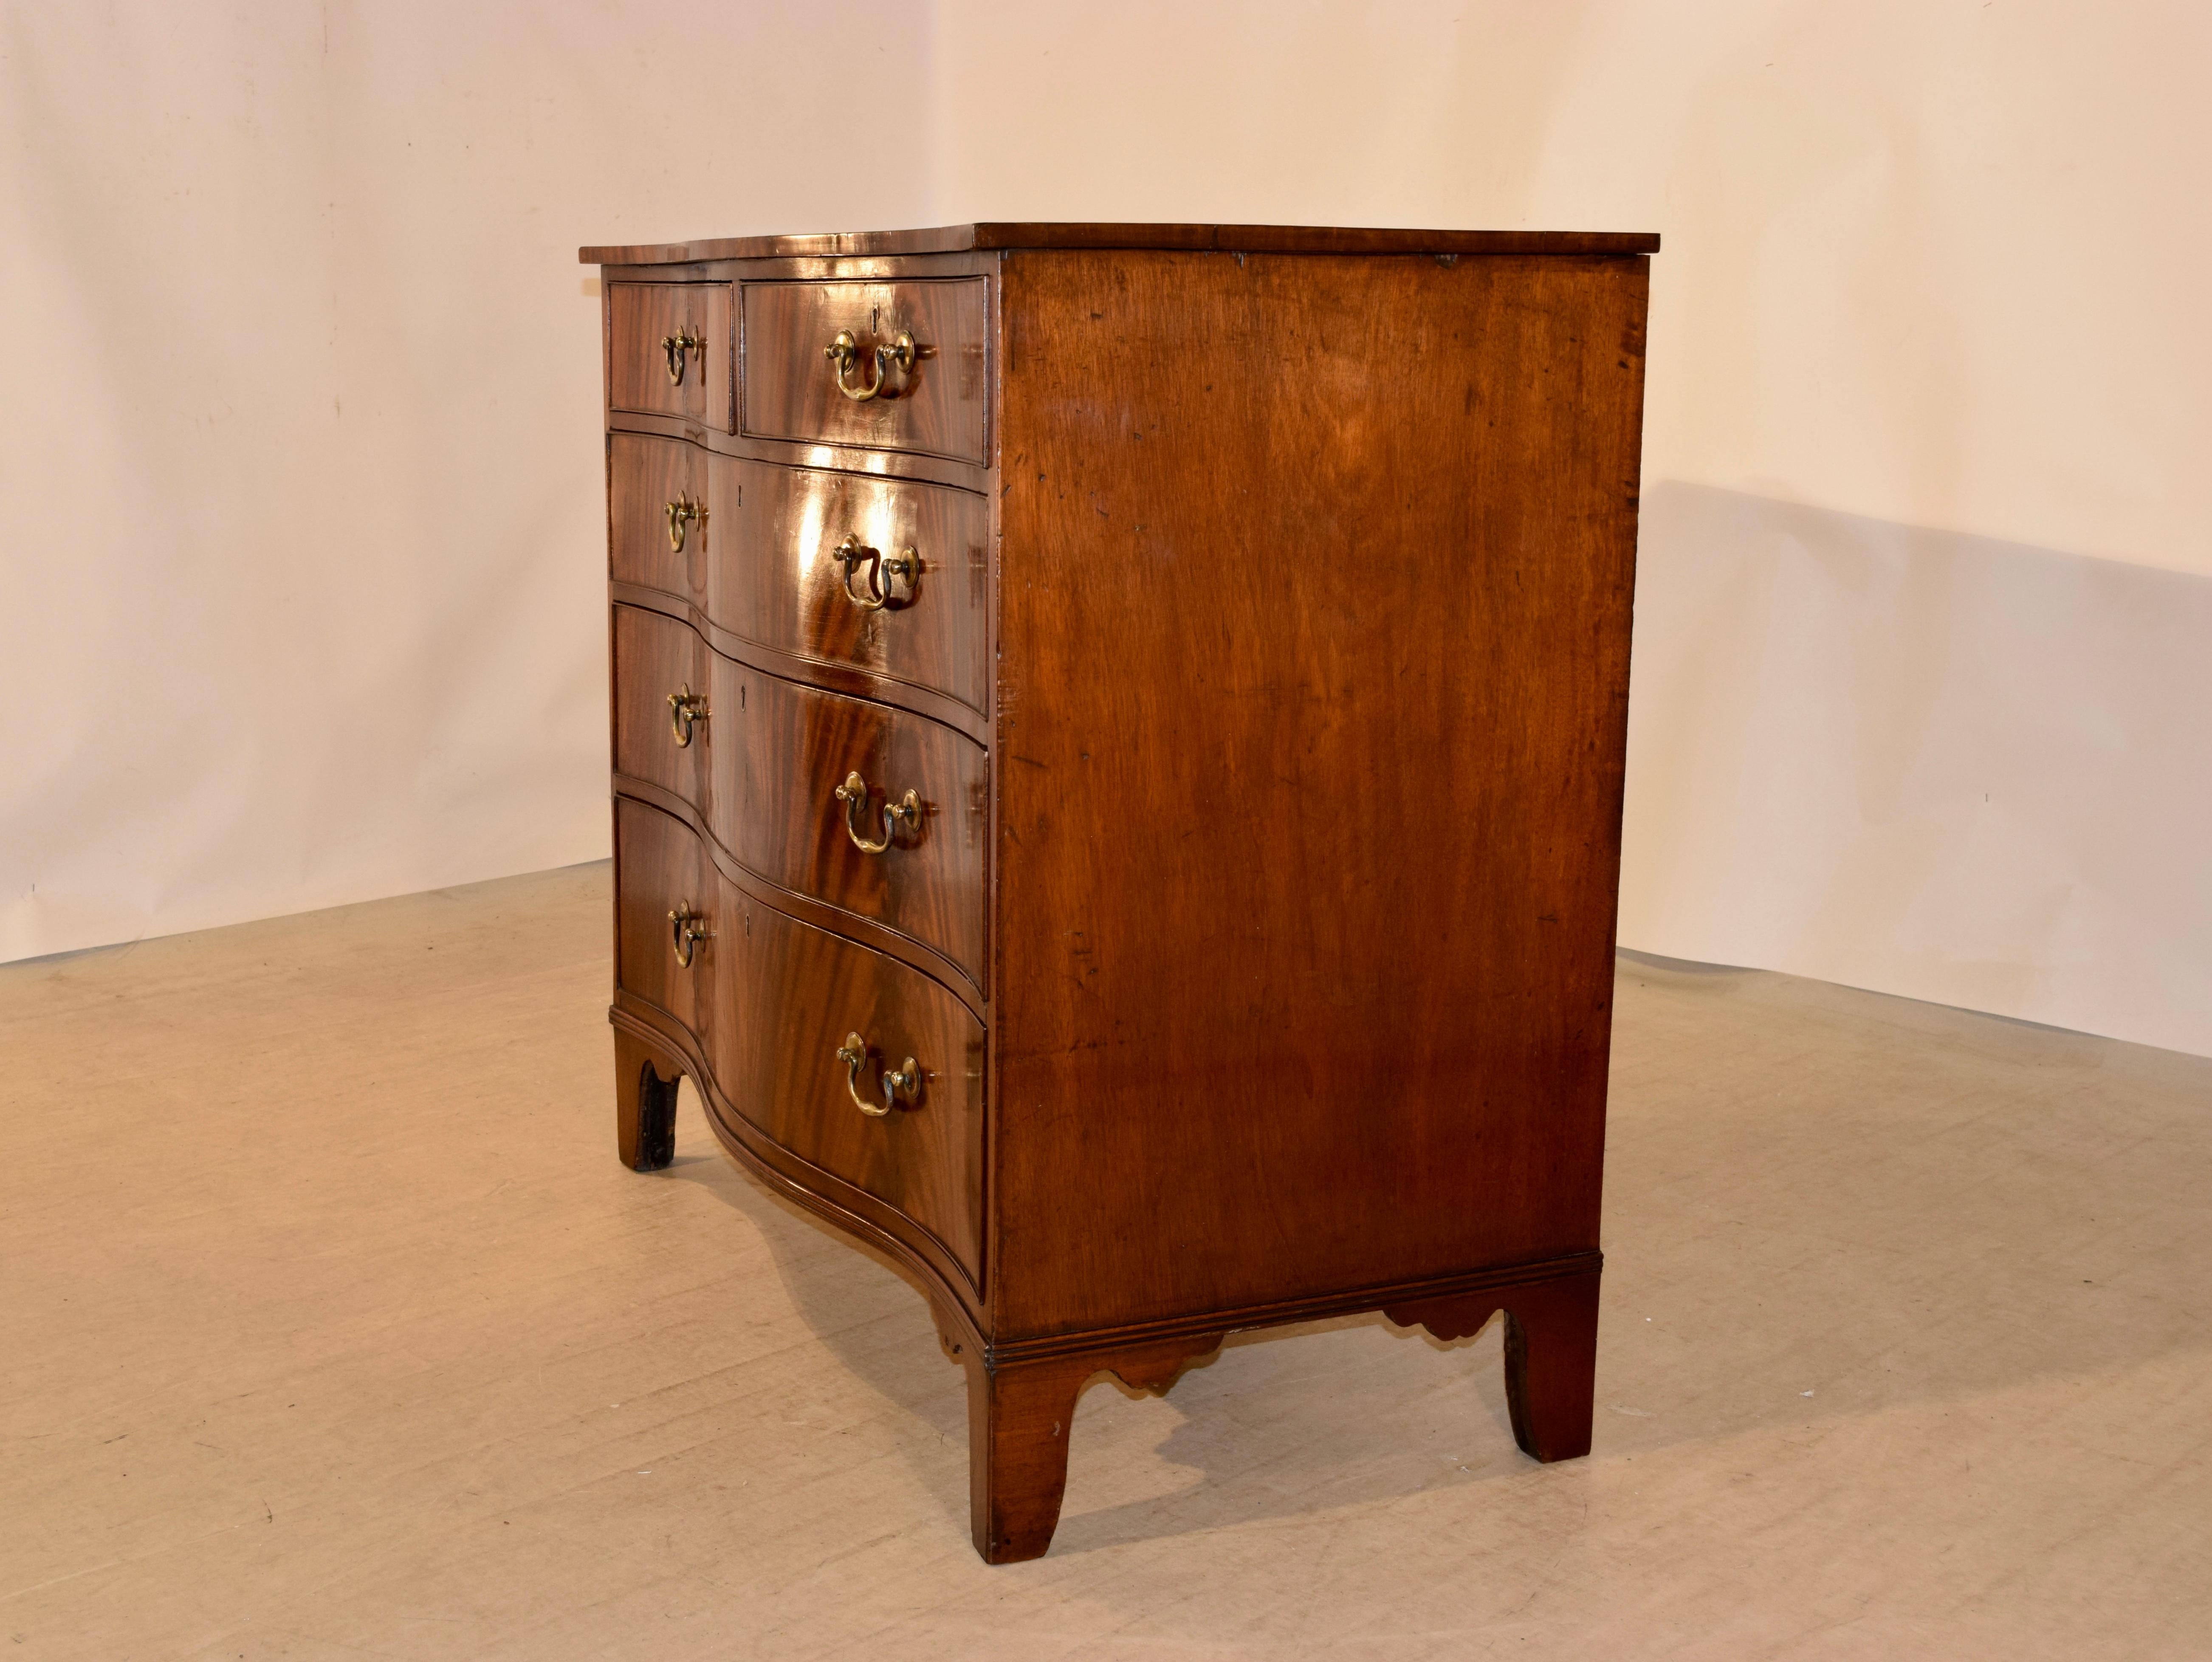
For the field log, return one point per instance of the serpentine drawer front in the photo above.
(1118, 740)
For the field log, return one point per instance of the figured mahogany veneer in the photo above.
(1257, 657)
(669, 350)
(940, 405)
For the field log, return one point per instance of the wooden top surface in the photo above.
(1246, 238)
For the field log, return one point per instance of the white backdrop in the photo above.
(301, 542)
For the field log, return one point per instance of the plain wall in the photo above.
(300, 479)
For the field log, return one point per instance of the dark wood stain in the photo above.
(940, 406)
(1267, 684)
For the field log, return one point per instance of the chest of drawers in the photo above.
(1117, 739)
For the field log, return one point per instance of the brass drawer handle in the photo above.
(682, 514)
(683, 709)
(844, 351)
(906, 1082)
(853, 794)
(673, 347)
(897, 568)
(689, 928)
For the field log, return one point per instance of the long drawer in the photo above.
(902, 846)
(886, 576)
(801, 1029)
(889, 366)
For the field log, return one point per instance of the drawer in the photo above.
(778, 579)
(659, 516)
(668, 350)
(658, 659)
(792, 995)
(937, 405)
(659, 868)
(777, 767)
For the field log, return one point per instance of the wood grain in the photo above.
(644, 475)
(793, 995)
(786, 747)
(1306, 888)
(1275, 622)
(640, 316)
(654, 657)
(658, 867)
(942, 405)
(1272, 239)
(773, 583)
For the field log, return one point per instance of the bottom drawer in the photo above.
(775, 1001)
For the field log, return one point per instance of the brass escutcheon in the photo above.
(906, 1082)
(844, 351)
(683, 709)
(853, 794)
(682, 514)
(689, 928)
(674, 348)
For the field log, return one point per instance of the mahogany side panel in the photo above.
(1313, 649)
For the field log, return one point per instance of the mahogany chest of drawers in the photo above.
(1117, 774)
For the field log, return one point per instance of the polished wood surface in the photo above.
(660, 867)
(1391, 758)
(644, 476)
(654, 657)
(940, 406)
(1265, 680)
(1249, 239)
(794, 993)
(790, 746)
(640, 317)
(778, 584)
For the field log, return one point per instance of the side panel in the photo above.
(1314, 594)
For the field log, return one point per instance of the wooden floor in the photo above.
(330, 1327)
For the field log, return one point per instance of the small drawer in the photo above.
(936, 401)
(668, 346)
(660, 519)
(788, 1011)
(664, 708)
(660, 869)
(886, 576)
(787, 750)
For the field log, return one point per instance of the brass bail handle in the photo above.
(673, 347)
(897, 568)
(690, 927)
(683, 709)
(844, 351)
(906, 1082)
(682, 514)
(853, 794)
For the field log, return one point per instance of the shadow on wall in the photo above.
(1969, 771)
